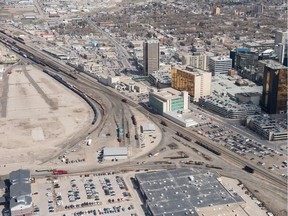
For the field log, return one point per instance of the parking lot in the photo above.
(89, 194)
(250, 149)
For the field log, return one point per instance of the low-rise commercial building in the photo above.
(168, 99)
(195, 81)
(20, 193)
(271, 128)
(148, 128)
(118, 153)
(180, 118)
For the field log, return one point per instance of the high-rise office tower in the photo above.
(274, 96)
(219, 65)
(150, 56)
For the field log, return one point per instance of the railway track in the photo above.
(231, 156)
(80, 78)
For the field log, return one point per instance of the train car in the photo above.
(187, 138)
(208, 148)
(59, 172)
(19, 39)
(248, 169)
(134, 120)
(70, 86)
(179, 134)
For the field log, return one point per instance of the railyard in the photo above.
(143, 165)
(85, 116)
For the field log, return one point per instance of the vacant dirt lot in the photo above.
(38, 116)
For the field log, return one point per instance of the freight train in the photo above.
(134, 120)
(80, 93)
(208, 148)
(183, 136)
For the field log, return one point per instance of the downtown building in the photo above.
(168, 99)
(219, 65)
(197, 60)
(195, 81)
(274, 94)
(151, 55)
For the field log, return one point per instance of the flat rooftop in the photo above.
(111, 151)
(192, 70)
(184, 118)
(226, 84)
(271, 123)
(168, 93)
(228, 104)
(273, 64)
(182, 191)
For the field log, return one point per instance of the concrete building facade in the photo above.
(168, 100)
(228, 108)
(195, 81)
(274, 95)
(272, 129)
(198, 61)
(151, 55)
(219, 65)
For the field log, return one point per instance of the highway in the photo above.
(89, 87)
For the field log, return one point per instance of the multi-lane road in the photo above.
(90, 90)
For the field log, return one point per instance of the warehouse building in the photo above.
(147, 128)
(118, 153)
(185, 191)
(20, 193)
